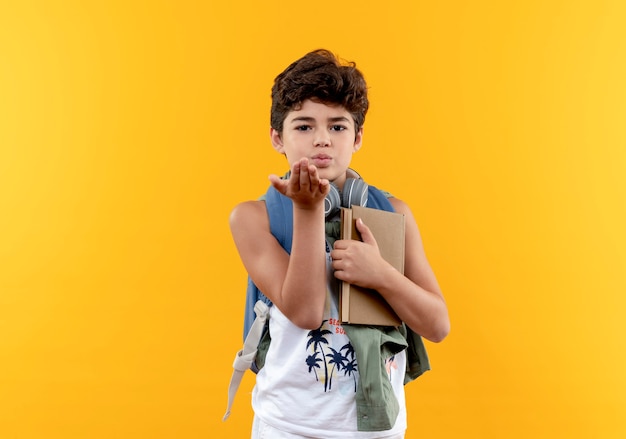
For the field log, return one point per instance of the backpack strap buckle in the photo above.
(245, 357)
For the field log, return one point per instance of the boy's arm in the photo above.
(295, 283)
(415, 296)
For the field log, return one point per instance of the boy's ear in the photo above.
(358, 139)
(277, 141)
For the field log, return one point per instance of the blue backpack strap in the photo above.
(280, 211)
(378, 199)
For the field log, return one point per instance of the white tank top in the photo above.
(308, 383)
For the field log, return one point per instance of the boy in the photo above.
(310, 383)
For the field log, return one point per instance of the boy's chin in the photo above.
(337, 180)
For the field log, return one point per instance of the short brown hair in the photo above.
(323, 77)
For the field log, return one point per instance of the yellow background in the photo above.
(129, 130)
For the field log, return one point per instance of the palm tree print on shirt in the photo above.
(312, 361)
(337, 360)
(350, 368)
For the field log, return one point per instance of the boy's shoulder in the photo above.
(398, 204)
(249, 206)
(257, 212)
(248, 212)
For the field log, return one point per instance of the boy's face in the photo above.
(322, 133)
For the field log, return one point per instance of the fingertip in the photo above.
(325, 185)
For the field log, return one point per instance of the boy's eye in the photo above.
(303, 128)
(337, 128)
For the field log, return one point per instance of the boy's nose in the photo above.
(322, 139)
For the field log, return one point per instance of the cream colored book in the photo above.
(361, 305)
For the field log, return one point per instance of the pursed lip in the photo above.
(321, 160)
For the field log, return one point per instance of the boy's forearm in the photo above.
(304, 288)
(425, 312)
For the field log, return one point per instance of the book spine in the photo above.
(344, 294)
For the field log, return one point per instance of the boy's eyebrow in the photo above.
(312, 119)
(339, 119)
(303, 119)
